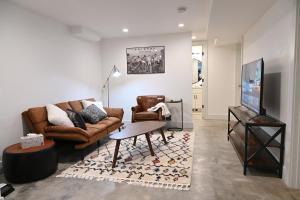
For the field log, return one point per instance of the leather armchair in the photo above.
(140, 113)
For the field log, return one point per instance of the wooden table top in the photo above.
(137, 128)
(17, 149)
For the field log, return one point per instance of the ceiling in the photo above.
(226, 20)
(230, 19)
(141, 17)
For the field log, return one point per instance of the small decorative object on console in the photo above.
(32, 140)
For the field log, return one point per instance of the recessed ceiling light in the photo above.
(125, 30)
(194, 37)
(181, 25)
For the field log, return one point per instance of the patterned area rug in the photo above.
(170, 168)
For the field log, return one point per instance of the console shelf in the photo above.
(255, 146)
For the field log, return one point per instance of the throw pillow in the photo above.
(93, 114)
(76, 118)
(99, 104)
(57, 116)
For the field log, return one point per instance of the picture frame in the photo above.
(145, 60)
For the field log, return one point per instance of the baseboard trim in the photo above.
(217, 117)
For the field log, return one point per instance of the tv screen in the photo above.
(252, 85)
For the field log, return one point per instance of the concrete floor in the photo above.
(217, 174)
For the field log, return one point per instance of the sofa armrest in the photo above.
(136, 108)
(115, 112)
(65, 129)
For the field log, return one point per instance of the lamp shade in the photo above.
(116, 72)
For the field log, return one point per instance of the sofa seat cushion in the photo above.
(99, 127)
(91, 131)
(115, 120)
(109, 121)
(67, 136)
(146, 116)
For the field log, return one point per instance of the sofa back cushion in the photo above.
(64, 106)
(77, 105)
(149, 101)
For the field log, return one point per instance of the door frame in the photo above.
(292, 176)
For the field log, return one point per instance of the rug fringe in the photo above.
(184, 187)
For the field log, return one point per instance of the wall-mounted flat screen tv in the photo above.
(252, 85)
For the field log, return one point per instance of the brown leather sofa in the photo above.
(140, 113)
(37, 122)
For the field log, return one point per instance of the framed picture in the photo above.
(146, 60)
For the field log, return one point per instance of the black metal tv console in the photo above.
(255, 146)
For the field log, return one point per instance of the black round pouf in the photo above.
(27, 165)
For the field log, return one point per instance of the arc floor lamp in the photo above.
(115, 72)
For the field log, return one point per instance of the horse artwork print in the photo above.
(146, 60)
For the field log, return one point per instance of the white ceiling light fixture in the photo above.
(194, 37)
(125, 30)
(181, 25)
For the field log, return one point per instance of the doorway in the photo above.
(197, 83)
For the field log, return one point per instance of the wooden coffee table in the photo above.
(134, 130)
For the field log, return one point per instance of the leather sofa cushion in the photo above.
(146, 116)
(99, 127)
(114, 112)
(64, 106)
(114, 119)
(76, 105)
(91, 131)
(148, 102)
(67, 136)
(109, 121)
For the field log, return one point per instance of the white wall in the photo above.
(273, 38)
(175, 83)
(221, 79)
(40, 63)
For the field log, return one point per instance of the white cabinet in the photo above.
(197, 99)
